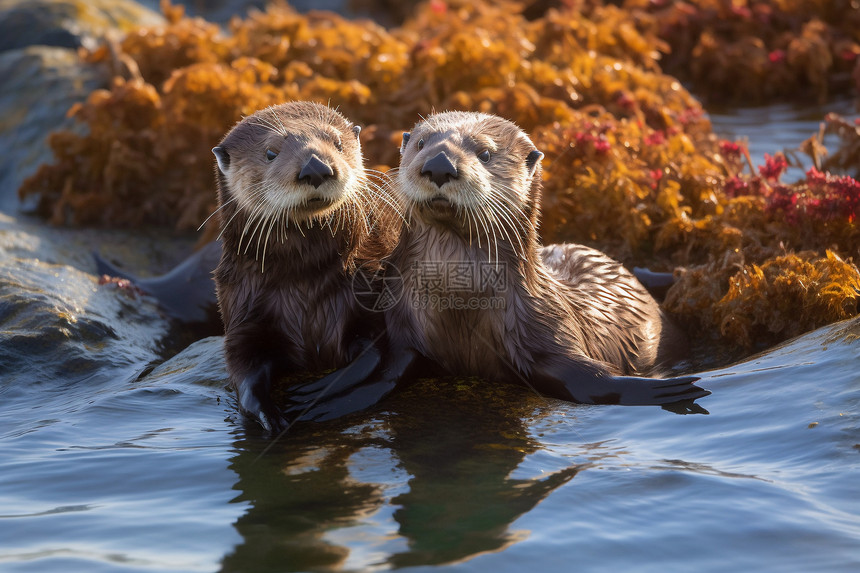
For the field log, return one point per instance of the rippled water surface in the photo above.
(114, 457)
(781, 127)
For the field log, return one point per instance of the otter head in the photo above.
(295, 162)
(474, 171)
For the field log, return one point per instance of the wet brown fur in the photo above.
(284, 283)
(558, 302)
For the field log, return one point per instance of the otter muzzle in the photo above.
(315, 171)
(439, 169)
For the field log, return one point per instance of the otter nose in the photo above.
(439, 169)
(315, 171)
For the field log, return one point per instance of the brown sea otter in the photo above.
(298, 214)
(480, 296)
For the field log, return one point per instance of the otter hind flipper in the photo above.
(352, 388)
(657, 284)
(186, 292)
(587, 382)
(103, 267)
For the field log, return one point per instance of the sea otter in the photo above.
(297, 214)
(480, 296)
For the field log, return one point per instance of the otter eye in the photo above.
(338, 144)
(270, 155)
(484, 156)
(420, 144)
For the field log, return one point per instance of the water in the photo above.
(158, 474)
(119, 455)
(780, 127)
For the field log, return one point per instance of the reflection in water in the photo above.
(456, 443)
(298, 490)
(461, 446)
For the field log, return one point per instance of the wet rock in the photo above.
(222, 10)
(68, 23)
(57, 322)
(201, 364)
(43, 75)
(385, 12)
(40, 84)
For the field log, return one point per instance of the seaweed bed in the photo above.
(632, 165)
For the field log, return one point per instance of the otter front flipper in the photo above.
(635, 391)
(349, 392)
(367, 359)
(587, 383)
(255, 400)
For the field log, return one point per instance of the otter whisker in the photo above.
(495, 242)
(283, 127)
(490, 203)
(497, 188)
(226, 225)
(479, 220)
(354, 211)
(280, 232)
(516, 223)
(267, 124)
(275, 121)
(328, 223)
(381, 193)
(358, 212)
(467, 219)
(258, 230)
(266, 243)
(258, 217)
(383, 196)
(484, 215)
(252, 218)
(473, 221)
(500, 212)
(215, 212)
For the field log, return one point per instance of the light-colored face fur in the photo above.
(492, 164)
(263, 157)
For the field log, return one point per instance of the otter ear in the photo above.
(223, 159)
(406, 135)
(356, 129)
(532, 160)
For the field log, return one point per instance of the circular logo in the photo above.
(377, 286)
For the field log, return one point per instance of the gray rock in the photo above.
(40, 85)
(58, 322)
(68, 23)
(222, 10)
(43, 75)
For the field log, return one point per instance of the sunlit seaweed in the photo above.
(785, 296)
(631, 163)
(758, 51)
